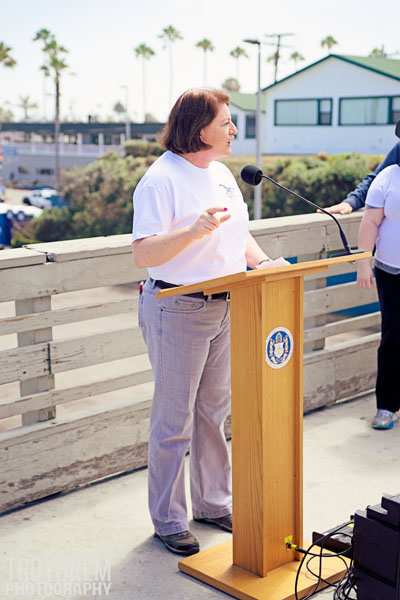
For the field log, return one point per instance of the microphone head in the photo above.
(397, 130)
(251, 174)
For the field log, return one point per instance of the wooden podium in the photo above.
(267, 416)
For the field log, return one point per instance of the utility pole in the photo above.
(277, 43)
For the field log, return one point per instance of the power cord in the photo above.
(344, 587)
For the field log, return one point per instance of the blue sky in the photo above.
(101, 35)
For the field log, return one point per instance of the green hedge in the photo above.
(323, 179)
(99, 195)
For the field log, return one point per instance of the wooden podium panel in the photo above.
(267, 415)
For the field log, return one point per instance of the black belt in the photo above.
(164, 285)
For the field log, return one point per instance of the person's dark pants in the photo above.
(388, 378)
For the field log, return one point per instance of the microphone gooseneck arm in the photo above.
(341, 232)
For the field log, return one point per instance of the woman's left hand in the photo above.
(365, 276)
(271, 264)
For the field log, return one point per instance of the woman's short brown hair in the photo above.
(194, 110)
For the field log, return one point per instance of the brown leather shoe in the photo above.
(183, 542)
(224, 522)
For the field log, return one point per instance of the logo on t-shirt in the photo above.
(229, 191)
(278, 347)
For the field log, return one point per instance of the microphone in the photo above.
(253, 176)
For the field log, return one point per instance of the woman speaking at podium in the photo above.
(190, 225)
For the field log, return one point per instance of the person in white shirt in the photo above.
(190, 225)
(380, 228)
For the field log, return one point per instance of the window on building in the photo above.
(234, 119)
(45, 171)
(395, 109)
(22, 170)
(250, 127)
(307, 111)
(364, 111)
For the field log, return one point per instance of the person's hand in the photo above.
(271, 264)
(208, 222)
(343, 208)
(365, 277)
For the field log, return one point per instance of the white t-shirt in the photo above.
(172, 194)
(384, 192)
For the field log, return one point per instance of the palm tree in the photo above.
(170, 35)
(207, 46)
(53, 67)
(328, 42)
(119, 109)
(238, 53)
(26, 104)
(5, 57)
(231, 84)
(145, 53)
(378, 52)
(296, 57)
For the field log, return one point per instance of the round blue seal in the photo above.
(278, 347)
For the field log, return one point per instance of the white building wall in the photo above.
(334, 79)
(242, 145)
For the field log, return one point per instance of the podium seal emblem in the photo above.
(278, 347)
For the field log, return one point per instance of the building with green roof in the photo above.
(340, 103)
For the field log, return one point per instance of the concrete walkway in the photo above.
(103, 535)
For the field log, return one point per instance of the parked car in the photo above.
(44, 198)
(19, 212)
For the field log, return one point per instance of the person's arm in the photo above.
(256, 257)
(356, 199)
(367, 236)
(158, 249)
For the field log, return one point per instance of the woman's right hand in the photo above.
(365, 277)
(207, 222)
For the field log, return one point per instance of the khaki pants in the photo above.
(188, 341)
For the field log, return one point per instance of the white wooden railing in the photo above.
(75, 380)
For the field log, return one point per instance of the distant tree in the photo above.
(145, 53)
(207, 46)
(150, 118)
(26, 104)
(328, 42)
(296, 57)
(231, 84)
(5, 56)
(379, 52)
(6, 115)
(53, 67)
(119, 109)
(237, 53)
(170, 35)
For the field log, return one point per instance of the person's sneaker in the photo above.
(224, 522)
(183, 542)
(384, 419)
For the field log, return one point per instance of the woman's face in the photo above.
(220, 133)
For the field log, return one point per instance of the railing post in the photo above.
(318, 320)
(29, 338)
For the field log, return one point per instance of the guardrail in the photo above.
(75, 380)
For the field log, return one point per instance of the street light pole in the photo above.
(257, 189)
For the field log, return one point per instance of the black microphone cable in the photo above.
(252, 175)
